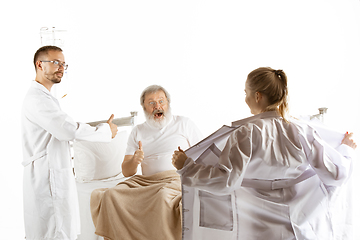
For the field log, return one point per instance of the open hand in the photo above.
(348, 140)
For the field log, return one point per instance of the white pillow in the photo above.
(99, 161)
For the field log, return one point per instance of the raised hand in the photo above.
(348, 140)
(113, 126)
(138, 155)
(178, 159)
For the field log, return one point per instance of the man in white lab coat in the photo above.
(50, 197)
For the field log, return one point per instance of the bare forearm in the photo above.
(131, 162)
(129, 167)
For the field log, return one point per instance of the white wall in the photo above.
(201, 51)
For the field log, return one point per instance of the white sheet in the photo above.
(98, 165)
(84, 191)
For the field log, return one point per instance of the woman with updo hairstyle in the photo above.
(272, 84)
(279, 168)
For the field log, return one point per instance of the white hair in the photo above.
(153, 89)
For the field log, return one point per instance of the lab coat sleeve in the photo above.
(333, 166)
(99, 133)
(346, 151)
(227, 175)
(46, 113)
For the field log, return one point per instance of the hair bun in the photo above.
(278, 72)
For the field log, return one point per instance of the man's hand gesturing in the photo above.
(138, 155)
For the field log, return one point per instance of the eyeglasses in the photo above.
(58, 64)
(153, 103)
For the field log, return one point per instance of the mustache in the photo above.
(155, 112)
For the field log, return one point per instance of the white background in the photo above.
(200, 51)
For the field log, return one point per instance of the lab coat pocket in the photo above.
(215, 211)
(61, 182)
(36, 177)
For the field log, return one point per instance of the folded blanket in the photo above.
(140, 208)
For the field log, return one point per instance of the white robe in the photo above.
(233, 199)
(51, 208)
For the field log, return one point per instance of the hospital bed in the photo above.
(98, 165)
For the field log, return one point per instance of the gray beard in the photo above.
(158, 124)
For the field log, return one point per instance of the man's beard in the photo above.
(158, 123)
(53, 77)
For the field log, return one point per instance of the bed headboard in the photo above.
(120, 122)
(320, 115)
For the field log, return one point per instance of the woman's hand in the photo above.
(348, 140)
(179, 158)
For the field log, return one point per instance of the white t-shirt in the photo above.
(160, 144)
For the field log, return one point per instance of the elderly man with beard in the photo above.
(147, 206)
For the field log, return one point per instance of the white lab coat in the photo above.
(51, 208)
(251, 192)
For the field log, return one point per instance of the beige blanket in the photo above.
(140, 208)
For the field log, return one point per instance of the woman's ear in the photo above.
(258, 97)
